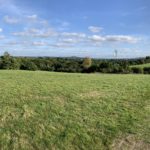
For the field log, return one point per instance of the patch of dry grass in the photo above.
(130, 142)
(92, 94)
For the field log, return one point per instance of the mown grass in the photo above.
(42, 110)
(142, 65)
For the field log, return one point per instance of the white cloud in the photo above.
(33, 32)
(47, 33)
(121, 38)
(13, 43)
(25, 20)
(39, 43)
(1, 30)
(69, 41)
(32, 17)
(72, 37)
(43, 22)
(18, 43)
(73, 34)
(95, 29)
(61, 45)
(63, 25)
(20, 33)
(113, 38)
(96, 38)
(11, 20)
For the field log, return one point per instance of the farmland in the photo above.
(47, 110)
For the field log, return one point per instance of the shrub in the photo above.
(146, 70)
(137, 70)
(28, 65)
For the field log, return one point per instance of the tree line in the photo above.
(74, 64)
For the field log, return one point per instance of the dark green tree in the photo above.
(9, 62)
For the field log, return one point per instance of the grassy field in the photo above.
(60, 111)
(142, 65)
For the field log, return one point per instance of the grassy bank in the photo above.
(142, 65)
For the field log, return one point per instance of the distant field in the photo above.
(142, 66)
(60, 111)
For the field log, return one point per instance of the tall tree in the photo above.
(87, 62)
(8, 62)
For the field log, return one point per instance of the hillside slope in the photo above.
(142, 65)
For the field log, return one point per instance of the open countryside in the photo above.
(74, 74)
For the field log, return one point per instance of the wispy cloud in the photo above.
(61, 45)
(2, 37)
(121, 38)
(65, 24)
(135, 11)
(39, 43)
(69, 41)
(113, 38)
(62, 25)
(9, 7)
(85, 17)
(73, 34)
(32, 17)
(96, 38)
(141, 8)
(39, 33)
(10, 20)
(95, 29)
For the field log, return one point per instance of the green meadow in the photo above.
(64, 111)
(142, 65)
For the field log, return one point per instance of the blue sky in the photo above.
(93, 28)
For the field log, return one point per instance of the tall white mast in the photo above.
(116, 53)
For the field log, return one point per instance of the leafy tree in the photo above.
(28, 65)
(9, 62)
(87, 62)
(6, 61)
